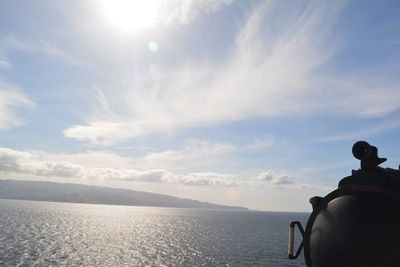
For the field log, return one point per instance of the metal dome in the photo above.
(358, 223)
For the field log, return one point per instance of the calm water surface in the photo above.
(63, 234)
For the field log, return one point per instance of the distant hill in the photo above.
(76, 193)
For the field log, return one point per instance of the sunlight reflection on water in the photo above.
(40, 233)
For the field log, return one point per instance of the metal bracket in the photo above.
(291, 240)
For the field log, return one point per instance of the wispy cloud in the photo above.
(5, 64)
(372, 93)
(10, 43)
(259, 144)
(201, 155)
(11, 99)
(188, 10)
(194, 155)
(268, 73)
(273, 69)
(363, 133)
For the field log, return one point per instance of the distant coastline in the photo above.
(88, 194)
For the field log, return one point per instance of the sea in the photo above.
(63, 234)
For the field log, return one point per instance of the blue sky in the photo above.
(251, 103)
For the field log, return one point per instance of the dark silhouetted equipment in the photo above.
(358, 224)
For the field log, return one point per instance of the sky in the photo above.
(249, 103)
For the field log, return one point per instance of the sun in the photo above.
(132, 15)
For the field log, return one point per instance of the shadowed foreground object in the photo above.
(356, 224)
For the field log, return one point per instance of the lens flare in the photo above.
(153, 46)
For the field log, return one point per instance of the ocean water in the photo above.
(63, 234)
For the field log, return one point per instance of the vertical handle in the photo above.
(291, 241)
(291, 255)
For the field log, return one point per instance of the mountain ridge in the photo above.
(90, 194)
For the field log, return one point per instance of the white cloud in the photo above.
(11, 99)
(93, 166)
(266, 74)
(272, 70)
(283, 180)
(275, 178)
(265, 176)
(185, 11)
(207, 179)
(29, 163)
(159, 13)
(131, 175)
(36, 163)
(195, 156)
(103, 133)
(13, 161)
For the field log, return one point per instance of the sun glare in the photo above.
(132, 15)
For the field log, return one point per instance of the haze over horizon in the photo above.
(243, 103)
